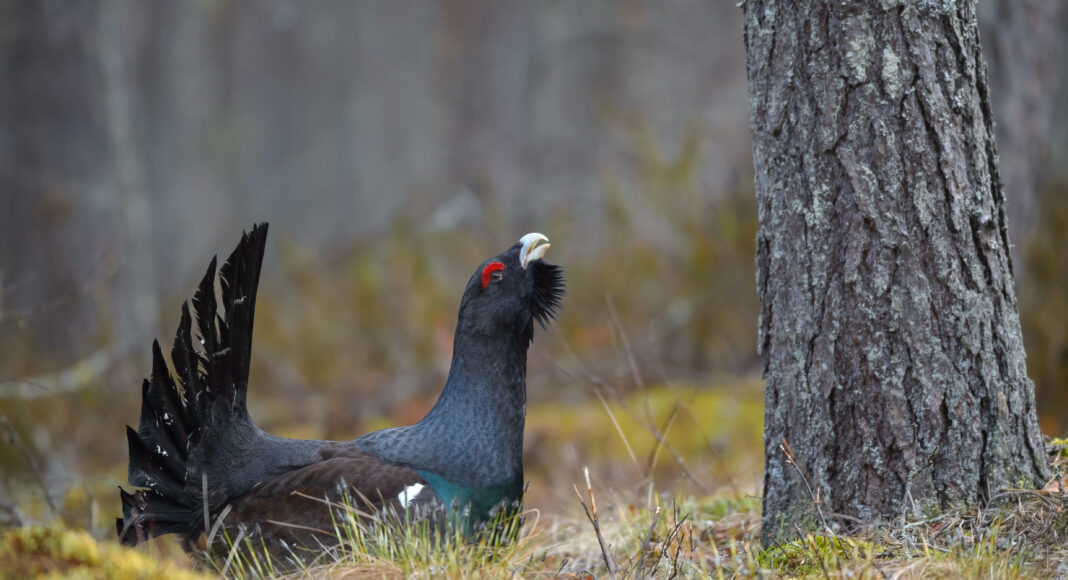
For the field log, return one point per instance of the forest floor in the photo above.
(663, 483)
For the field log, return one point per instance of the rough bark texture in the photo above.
(892, 353)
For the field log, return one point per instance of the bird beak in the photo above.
(534, 247)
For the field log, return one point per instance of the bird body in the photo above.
(205, 464)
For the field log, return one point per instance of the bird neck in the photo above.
(473, 437)
(476, 428)
(481, 411)
(487, 369)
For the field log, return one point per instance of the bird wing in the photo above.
(306, 506)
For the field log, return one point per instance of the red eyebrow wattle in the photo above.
(489, 269)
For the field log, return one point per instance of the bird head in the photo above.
(511, 290)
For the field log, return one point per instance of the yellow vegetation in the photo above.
(57, 552)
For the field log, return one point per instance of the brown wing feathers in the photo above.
(300, 507)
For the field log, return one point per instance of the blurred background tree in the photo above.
(390, 144)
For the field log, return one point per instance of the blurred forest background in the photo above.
(393, 146)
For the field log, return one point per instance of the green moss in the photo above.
(816, 554)
(1060, 446)
(56, 552)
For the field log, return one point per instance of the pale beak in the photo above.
(534, 248)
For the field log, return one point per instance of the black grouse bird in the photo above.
(198, 449)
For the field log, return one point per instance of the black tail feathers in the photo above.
(167, 452)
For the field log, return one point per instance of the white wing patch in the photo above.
(405, 497)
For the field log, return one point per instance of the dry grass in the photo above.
(648, 527)
(1020, 534)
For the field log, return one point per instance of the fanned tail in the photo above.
(189, 433)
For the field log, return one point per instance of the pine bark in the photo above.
(890, 339)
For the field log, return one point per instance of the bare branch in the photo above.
(591, 515)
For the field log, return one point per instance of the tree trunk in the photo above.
(893, 360)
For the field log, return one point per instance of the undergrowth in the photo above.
(58, 552)
(1021, 535)
(609, 533)
(606, 532)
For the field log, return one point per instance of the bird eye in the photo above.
(493, 272)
